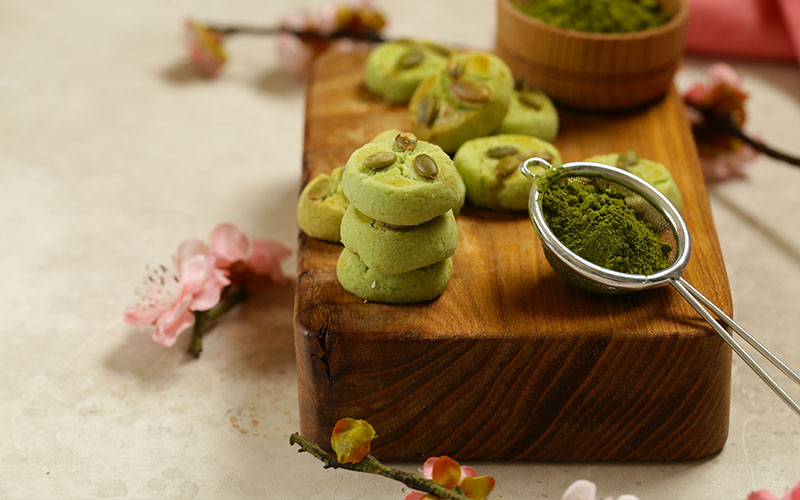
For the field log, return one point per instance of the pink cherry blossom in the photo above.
(719, 98)
(587, 490)
(205, 49)
(358, 19)
(793, 494)
(231, 245)
(169, 299)
(427, 472)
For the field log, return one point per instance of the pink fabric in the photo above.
(757, 29)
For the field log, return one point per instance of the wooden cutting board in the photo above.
(511, 362)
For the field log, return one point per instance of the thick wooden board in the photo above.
(511, 362)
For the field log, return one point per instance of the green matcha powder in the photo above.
(600, 227)
(596, 16)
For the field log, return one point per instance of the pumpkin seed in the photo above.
(531, 100)
(410, 59)
(455, 70)
(405, 141)
(320, 188)
(439, 49)
(379, 160)
(425, 166)
(628, 159)
(501, 151)
(506, 166)
(469, 91)
(427, 109)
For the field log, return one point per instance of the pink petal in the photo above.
(266, 258)
(210, 291)
(628, 497)
(140, 315)
(173, 322)
(720, 73)
(761, 495)
(580, 490)
(427, 467)
(189, 249)
(294, 56)
(229, 242)
(417, 495)
(794, 494)
(696, 94)
(194, 272)
(277, 249)
(695, 116)
(328, 19)
(467, 471)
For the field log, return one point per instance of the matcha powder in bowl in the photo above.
(607, 231)
(597, 16)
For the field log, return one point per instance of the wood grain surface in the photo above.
(511, 362)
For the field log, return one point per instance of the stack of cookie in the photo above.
(399, 230)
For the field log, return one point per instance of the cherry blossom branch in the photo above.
(715, 124)
(371, 465)
(226, 30)
(231, 296)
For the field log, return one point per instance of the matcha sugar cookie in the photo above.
(321, 206)
(652, 172)
(414, 286)
(402, 181)
(531, 113)
(490, 169)
(468, 98)
(399, 249)
(394, 69)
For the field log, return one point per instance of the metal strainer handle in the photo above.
(700, 303)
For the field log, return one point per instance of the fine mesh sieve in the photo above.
(653, 207)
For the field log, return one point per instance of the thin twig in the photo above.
(231, 295)
(371, 465)
(226, 30)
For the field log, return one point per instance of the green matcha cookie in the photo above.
(402, 181)
(322, 205)
(466, 99)
(490, 169)
(531, 113)
(399, 249)
(394, 69)
(414, 286)
(654, 173)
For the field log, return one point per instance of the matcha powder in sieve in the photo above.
(600, 227)
(596, 16)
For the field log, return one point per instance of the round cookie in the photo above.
(394, 69)
(490, 169)
(321, 206)
(402, 181)
(531, 113)
(468, 98)
(653, 172)
(414, 286)
(396, 250)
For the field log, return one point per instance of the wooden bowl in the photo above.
(592, 70)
